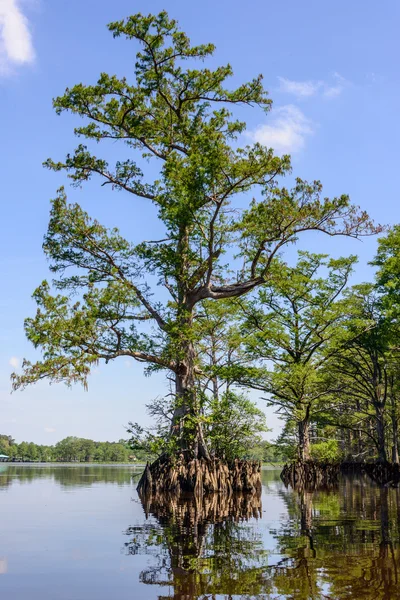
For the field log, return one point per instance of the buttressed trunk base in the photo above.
(200, 475)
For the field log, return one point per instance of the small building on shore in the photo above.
(3, 457)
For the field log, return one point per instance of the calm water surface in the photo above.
(81, 533)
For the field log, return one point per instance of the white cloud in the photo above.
(336, 89)
(301, 89)
(16, 46)
(49, 429)
(14, 360)
(306, 89)
(287, 131)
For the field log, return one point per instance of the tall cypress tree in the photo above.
(181, 119)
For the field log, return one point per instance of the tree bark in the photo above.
(395, 432)
(190, 437)
(304, 440)
(380, 434)
(360, 443)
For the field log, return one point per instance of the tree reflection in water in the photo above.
(66, 476)
(334, 544)
(344, 543)
(202, 547)
(339, 544)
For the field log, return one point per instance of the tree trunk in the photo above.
(395, 433)
(371, 433)
(360, 443)
(186, 426)
(304, 440)
(191, 469)
(380, 434)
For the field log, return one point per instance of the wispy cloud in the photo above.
(49, 429)
(331, 91)
(301, 89)
(14, 360)
(287, 132)
(308, 88)
(16, 46)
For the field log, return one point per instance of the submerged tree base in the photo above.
(200, 476)
(310, 475)
(386, 474)
(382, 473)
(191, 510)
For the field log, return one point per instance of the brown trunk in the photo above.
(371, 433)
(380, 435)
(360, 444)
(188, 431)
(190, 437)
(349, 444)
(214, 363)
(304, 440)
(395, 432)
(380, 382)
(395, 454)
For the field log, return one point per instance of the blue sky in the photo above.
(332, 71)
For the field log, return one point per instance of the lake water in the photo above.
(81, 533)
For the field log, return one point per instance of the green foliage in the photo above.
(269, 452)
(364, 376)
(234, 425)
(6, 444)
(293, 328)
(70, 449)
(179, 114)
(387, 260)
(327, 451)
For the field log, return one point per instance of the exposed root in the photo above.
(310, 475)
(200, 476)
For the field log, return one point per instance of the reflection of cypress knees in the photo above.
(352, 467)
(192, 510)
(200, 475)
(310, 475)
(202, 549)
(383, 473)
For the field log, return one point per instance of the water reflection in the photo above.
(343, 544)
(66, 475)
(202, 547)
(70, 523)
(336, 544)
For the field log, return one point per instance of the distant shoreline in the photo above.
(70, 464)
(266, 466)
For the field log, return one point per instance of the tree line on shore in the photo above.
(75, 449)
(70, 449)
